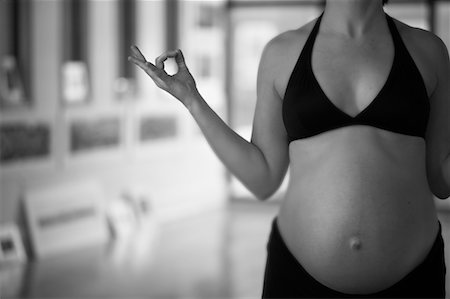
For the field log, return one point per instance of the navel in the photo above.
(355, 243)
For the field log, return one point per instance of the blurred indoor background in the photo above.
(108, 189)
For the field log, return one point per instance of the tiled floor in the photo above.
(216, 255)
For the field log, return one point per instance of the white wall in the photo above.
(182, 175)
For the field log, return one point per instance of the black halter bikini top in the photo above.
(401, 106)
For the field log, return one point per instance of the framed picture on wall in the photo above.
(15, 57)
(94, 134)
(11, 246)
(157, 127)
(21, 141)
(12, 91)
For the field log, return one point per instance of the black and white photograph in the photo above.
(92, 134)
(225, 149)
(57, 213)
(157, 127)
(12, 92)
(25, 141)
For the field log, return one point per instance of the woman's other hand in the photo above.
(181, 85)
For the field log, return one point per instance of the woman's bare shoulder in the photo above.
(282, 52)
(428, 51)
(426, 41)
(290, 40)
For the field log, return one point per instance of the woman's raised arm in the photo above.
(254, 163)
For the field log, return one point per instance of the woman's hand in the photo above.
(181, 85)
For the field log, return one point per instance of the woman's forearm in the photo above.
(242, 158)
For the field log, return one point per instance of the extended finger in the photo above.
(154, 73)
(159, 61)
(148, 67)
(140, 63)
(137, 53)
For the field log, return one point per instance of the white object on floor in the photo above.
(66, 216)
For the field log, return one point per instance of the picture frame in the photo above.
(12, 250)
(21, 141)
(94, 134)
(12, 90)
(157, 127)
(65, 216)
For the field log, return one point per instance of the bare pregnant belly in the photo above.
(358, 215)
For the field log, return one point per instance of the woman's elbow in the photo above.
(263, 185)
(439, 181)
(440, 189)
(442, 194)
(265, 192)
(263, 196)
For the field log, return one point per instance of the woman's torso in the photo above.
(356, 182)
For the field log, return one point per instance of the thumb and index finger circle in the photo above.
(179, 58)
(156, 71)
(177, 54)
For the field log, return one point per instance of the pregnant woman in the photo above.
(358, 105)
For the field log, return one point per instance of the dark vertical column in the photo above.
(75, 31)
(15, 9)
(5, 28)
(24, 46)
(79, 30)
(127, 36)
(431, 15)
(172, 24)
(16, 40)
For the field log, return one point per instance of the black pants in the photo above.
(286, 278)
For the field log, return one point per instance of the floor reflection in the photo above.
(220, 254)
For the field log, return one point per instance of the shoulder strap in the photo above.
(307, 48)
(396, 37)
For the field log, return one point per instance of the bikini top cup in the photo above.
(401, 106)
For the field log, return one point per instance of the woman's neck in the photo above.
(353, 18)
